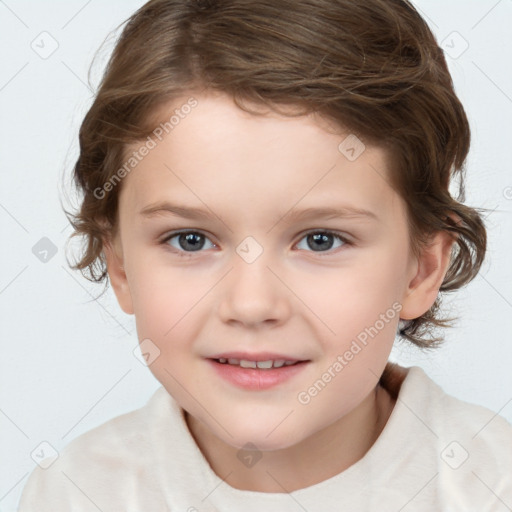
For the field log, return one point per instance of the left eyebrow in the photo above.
(187, 212)
(346, 212)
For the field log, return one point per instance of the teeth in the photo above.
(278, 363)
(264, 364)
(247, 364)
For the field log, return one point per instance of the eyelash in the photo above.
(185, 254)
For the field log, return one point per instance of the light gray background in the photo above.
(67, 361)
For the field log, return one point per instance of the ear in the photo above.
(427, 278)
(117, 275)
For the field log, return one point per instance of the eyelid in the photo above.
(171, 234)
(342, 235)
(347, 241)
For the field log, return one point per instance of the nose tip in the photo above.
(251, 294)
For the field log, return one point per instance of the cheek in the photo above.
(159, 288)
(163, 298)
(353, 297)
(168, 309)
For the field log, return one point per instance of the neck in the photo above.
(319, 457)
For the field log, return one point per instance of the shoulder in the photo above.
(472, 444)
(103, 461)
(121, 440)
(454, 416)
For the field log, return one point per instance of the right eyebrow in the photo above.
(164, 207)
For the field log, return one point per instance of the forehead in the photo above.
(219, 155)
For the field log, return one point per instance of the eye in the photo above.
(323, 240)
(187, 241)
(194, 241)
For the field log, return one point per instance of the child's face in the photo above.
(309, 298)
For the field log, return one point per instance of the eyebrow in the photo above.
(349, 212)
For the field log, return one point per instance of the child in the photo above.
(254, 131)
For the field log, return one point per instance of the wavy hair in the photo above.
(372, 67)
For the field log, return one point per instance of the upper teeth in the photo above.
(257, 364)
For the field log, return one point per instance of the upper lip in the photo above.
(260, 356)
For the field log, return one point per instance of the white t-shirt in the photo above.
(435, 453)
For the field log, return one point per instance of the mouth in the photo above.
(267, 364)
(257, 372)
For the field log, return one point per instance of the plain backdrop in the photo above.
(67, 360)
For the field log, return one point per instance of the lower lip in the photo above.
(255, 378)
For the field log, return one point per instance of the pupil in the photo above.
(194, 241)
(324, 240)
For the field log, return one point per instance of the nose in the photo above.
(253, 295)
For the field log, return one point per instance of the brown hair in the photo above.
(372, 67)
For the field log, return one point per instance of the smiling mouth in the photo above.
(257, 375)
(260, 365)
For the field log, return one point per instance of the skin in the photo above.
(295, 298)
